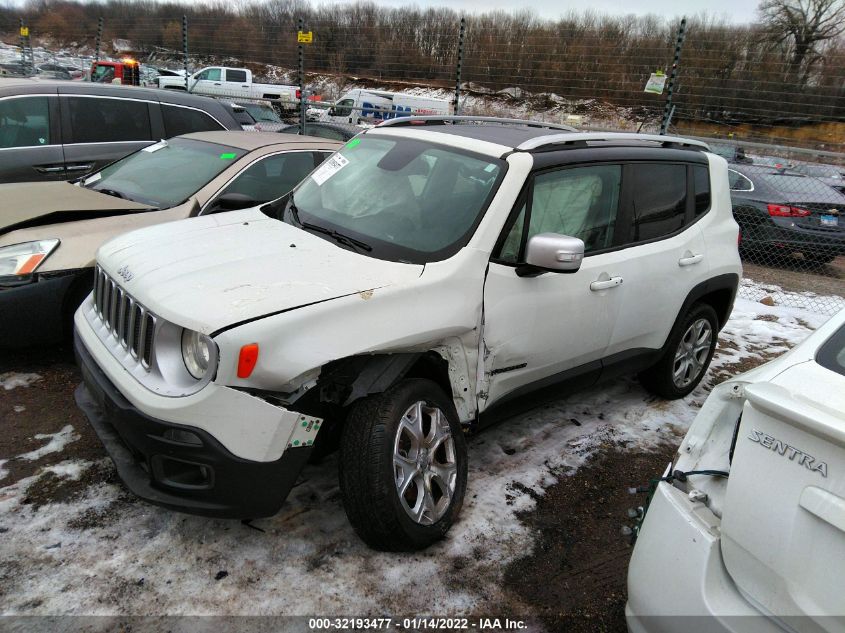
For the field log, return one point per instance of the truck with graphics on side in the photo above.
(369, 106)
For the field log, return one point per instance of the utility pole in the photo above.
(460, 63)
(669, 108)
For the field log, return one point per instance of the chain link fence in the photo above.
(773, 109)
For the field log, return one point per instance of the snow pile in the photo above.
(107, 553)
(11, 380)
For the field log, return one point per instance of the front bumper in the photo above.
(190, 473)
(35, 311)
(677, 580)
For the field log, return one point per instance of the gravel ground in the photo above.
(795, 275)
(539, 538)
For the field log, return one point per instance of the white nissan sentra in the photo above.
(435, 274)
(748, 533)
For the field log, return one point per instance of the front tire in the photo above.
(688, 354)
(403, 466)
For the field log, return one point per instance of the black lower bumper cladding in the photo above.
(181, 467)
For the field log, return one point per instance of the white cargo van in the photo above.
(360, 105)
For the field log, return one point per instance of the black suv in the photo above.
(54, 130)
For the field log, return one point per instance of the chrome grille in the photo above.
(132, 325)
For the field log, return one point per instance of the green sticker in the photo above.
(228, 156)
(353, 143)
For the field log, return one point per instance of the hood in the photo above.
(216, 271)
(38, 203)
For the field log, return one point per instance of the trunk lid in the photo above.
(783, 523)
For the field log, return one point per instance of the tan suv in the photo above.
(50, 231)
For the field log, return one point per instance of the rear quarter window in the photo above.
(701, 186)
(832, 354)
(179, 121)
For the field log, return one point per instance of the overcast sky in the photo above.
(736, 11)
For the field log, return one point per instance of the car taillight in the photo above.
(784, 211)
(298, 94)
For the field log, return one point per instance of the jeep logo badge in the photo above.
(124, 272)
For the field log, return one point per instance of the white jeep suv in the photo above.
(434, 275)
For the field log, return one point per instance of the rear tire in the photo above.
(403, 466)
(689, 351)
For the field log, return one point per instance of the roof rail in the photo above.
(453, 119)
(583, 137)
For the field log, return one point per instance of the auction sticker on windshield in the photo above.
(329, 168)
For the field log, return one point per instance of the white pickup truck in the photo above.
(231, 82)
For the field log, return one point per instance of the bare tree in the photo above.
(799, 27)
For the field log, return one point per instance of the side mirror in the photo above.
(551, 252)
(232, 202)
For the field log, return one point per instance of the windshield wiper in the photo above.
(338, 237)
(111, 192)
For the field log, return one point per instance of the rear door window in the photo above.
(24, 122)
(659, 199)
(100, 120)
(179, 121)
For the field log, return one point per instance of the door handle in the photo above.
(689, 261)
(217, 83)
(80, 167)
(49, 170)
(604, 284)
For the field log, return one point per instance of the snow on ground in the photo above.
(11, 380)
(106, 553)
(58, 442)
(827, 304)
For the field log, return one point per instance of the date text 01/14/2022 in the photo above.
(415, 624)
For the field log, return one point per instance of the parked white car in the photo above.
(762, 532)
(429, 278)
(231, 82)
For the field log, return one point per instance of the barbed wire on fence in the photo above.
(774, 121)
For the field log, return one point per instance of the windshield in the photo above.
(102, 74)
(164, 174)
(261, 113)
(409, 200)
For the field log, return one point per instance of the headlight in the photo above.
(22, 259)
(196, 352)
